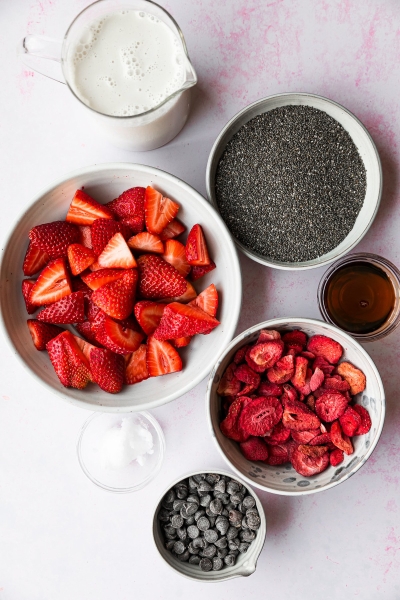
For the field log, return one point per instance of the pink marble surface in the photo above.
(63, 538)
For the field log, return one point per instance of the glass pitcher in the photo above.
(144, 131)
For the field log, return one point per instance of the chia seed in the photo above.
(290, 184)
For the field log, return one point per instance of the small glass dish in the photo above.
(128, 479)
(393, 274)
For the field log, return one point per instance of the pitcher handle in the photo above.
(43, 55)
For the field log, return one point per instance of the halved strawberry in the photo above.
(42, 333)
(129, 206)
(146, 242)
(117, 254)
(84, 210)
(101, 277)
(162, 358)
(35, 259)
(80, 258)
(148, 315)
(159, 210)
(87, 331)
(175, 255)
(103, 230)
(69, 362)
(188, 295)
(54, 238)
(207, 300)
(70, 309)
(107, 369)
(196, 247)
(117, 298)
(78, 285)
(182, 342)
(86, 235)
(52, 284)
(136, 368)
(158, 279)
(172, 230)
(27, 286)
(118, 338)
(198, 272)
(181, 320)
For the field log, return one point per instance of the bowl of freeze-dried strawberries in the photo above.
(295, 406)
(111, 287)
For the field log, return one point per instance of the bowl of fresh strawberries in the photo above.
(295, 406)
(111, 287)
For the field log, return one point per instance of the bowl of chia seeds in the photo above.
(297, 179)
(209, 526)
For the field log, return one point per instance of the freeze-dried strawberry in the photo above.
(240, 354)
(354, 377)
(324, 439)
(282, 371)
(336, 457)
(295, 337)
(305, 437)
(247, 375)
(308, 355)
(366, 422)
(350, 421)
(267, 353)
(278, 455)
(290, 391)
(300, 374)
(266, 388)
(323, 365)
(254, 449)
(326, 347)
(330, 406)
(340, 439)
(268, 335)
(294, 349)
(253, 365)
(299, 417)
(336, 383)
(260, 415)
(279, 435)
(229, 384)
(230, 425)
(313, 451)
(309, 465)
(317, 379)
(305, 390)
(310, 402)
(198, 272)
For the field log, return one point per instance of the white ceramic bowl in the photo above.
(245, 564)
(105, 182)
(284, 479)
(361, 139)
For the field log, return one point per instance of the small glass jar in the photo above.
(393, 274)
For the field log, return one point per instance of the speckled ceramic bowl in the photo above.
(284, 479)
(245, 564)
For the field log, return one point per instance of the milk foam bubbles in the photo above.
(126, 63)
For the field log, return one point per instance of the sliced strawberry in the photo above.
(336, 457)
(268, 335)
(172, 230)
(87, 331)
(101, 277)
(162, 358)
(340, 439)
(175, 255)
(54, 238)
(27, 286)
(70, 309)
(35, 259)
(118, 338)
(158, 279)
(366, 422)
(148, 315)
(42, 333)
(181, 320)
(317, 379)
(300, 374)
(52, 284)
(116, 255)
(309, 465)
(350, 421)
(330, 405)
(325, 347)
(159, 210)
(117, 298)
(198, 272)
(84, 210)
(69, 362)
(229, 384)
(78, 285)
(146, 242)
(267, 354)
(254, 449)
(230, 427)
(136, 368)
(261, 415)
(182, 342)
(196, 247)
(188, 295)
(85, 347)
(299, 417)
(129, 206)
(108, 369)
(266, 388)
(103, 230)
(86, 235)
(278, 435)
(207, 300)
(354, 377)
(80, 258)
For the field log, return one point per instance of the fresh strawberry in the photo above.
(175, 255)
(159, 210)
(78, 285)
(102, 232)
(54, 238)
(85, 347)
(117, 298)
(172, 230)
(148, 315)
(95, 316)
(207, 300)
(162, 358)
(84, 210)
(146, 242)
(188, 295)
(198, 272)
(80, 258)
(181, 320)
(86, 235)
(129, 207)
(107, 369)
(69, 362)
(136, 368)
(117, 254)
(52, 284)
(87, 331)
(35, 259)
(182, 342)
(135, 224)
(158, 279)
(101, 277)
(70, 309)
(42, 333)
(117, 338)
(196, 248)
(27, 286)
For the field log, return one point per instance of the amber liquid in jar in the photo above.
(359, 297)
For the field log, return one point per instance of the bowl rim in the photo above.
(230, 325)
(276, 323)
(211, 196)
(244, 571)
